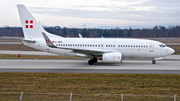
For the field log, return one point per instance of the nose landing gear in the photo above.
(153, 61)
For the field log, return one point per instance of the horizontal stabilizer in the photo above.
(29, 40)
(9, 37)
(32, 53)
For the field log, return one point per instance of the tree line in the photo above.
(155, 32)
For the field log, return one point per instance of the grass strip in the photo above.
(89, 83)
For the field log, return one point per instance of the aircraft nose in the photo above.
(171, 51)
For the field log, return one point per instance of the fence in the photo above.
(26, 96)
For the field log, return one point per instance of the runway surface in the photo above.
(167, 66)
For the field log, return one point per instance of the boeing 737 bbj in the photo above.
(111, 50)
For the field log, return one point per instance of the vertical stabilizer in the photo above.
(31, 28)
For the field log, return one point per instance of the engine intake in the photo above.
(112, 57)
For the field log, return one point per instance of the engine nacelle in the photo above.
(112, 57)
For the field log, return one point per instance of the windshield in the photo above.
(162, 45)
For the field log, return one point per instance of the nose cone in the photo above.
(171, 51)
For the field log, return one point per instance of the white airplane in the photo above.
(111, 50)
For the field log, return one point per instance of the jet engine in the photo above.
(112, 57)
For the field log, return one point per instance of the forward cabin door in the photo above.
(151, 47)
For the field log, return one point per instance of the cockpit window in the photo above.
(162, 45)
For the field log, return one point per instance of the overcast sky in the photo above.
(94, 13)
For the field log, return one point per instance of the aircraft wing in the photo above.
(87, 52)
(91, 52)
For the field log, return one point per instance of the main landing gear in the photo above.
(153, 61)
(92, 61)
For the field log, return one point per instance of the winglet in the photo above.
(48, 41)
(80, 36)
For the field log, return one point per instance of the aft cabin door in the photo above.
(151, 47)
(47, 48)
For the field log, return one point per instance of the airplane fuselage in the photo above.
(130, 48)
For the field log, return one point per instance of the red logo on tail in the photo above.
(29, 23)
(47, 41)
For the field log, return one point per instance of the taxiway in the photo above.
(166, 66)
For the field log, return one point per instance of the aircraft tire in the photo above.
(153, 62)
(95, 60)
(90, 62)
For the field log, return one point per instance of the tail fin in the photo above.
(31, 28)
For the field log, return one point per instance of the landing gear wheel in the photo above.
(154, 62)
(95, 60)
(90, 62)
